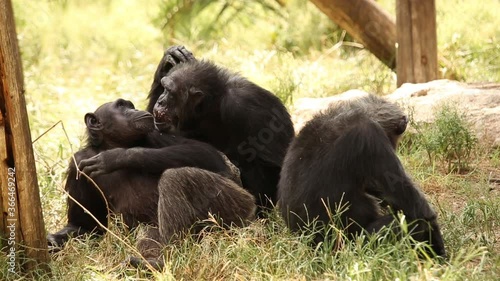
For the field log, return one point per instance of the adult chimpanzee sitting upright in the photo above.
(126, 157)
(246, 122)
(344, 158)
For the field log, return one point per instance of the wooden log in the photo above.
(18, 139)
(417, 58)
(366, 22)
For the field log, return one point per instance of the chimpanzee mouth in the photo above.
(164, 122)
(163, 126)
(145, 122)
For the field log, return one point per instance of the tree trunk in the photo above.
(22, 186)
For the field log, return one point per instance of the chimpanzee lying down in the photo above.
(345, 156)
(147, 177)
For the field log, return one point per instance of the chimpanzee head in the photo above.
(190, 92)
(118, 124)
(388, 115)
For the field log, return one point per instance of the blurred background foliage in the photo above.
(85, 52)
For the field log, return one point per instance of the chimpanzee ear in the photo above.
(93, 122)
(197, 97)
(196, 94)
(94, 128)
(401, 126)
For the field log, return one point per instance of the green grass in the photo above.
(79, 54)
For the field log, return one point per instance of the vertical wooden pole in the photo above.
(416, 58)
(19, 147)
(8, 209)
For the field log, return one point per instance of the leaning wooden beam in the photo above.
(367, 22)
(19, 147)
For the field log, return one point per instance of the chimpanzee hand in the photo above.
(173, 56)
(103, 163)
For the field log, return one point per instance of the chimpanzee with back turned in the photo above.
(345, 157)
(249, 124)
(126, 157)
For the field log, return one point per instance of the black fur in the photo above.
(126, 158)
(246, 122)
(187, 198)
(172, 56)
(346, 156)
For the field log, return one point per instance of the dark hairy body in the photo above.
(187, 196)
(249, 124)
(345, 156)
(126, 157)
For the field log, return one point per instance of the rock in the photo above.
(480, 102)
(305, 108)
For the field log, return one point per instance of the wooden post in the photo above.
(18, 151)
(367, 22)
(9, 236)
(417, 59)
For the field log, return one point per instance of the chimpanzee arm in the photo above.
(393, 185)
(154, 160)
(172, 56)
(375, 163)
(397, 189)
(79, 222)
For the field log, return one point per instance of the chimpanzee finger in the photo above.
(88, 162)
(180, 54)
(186, 54)
(169, 59)
(88, 170)
(167, 62)
(92, 166)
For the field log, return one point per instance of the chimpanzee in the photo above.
(246, 122)
(126, 157)
(345, 157)
(187, 195)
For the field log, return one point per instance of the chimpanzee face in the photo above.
(179, 102)
(118, 124)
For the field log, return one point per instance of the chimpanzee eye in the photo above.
(169, 98)
(120, 103)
